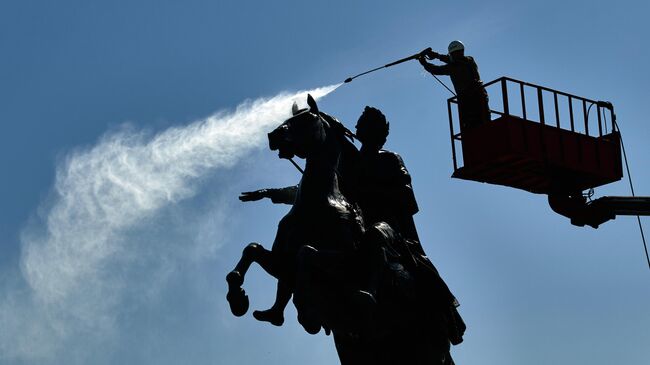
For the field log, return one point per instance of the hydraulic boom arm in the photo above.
(598, 211)
(623, 205)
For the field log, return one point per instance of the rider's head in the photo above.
(372, 128)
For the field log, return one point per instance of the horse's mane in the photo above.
(337, 126)
(349, 155)
(344, 135)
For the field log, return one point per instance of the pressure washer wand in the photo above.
(413, 57)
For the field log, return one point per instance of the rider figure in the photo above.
(383, 184)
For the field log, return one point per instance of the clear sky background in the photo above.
(78, 76)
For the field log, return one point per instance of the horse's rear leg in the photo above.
(275, 314)
(236, 296)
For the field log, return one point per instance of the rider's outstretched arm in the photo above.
(278, 196)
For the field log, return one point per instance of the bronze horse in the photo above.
(318, 255)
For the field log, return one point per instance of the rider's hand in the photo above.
(249, 196)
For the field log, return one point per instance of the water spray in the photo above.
(103, 213)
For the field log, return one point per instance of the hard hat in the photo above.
(456, 46)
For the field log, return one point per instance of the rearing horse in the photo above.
(322, 233)
(320, 217)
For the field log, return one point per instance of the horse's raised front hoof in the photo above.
(274, 317)
(251, 249)
(234, 279)
(236, 296)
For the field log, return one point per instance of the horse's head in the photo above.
(300, 134)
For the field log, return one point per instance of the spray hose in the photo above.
(412, 57)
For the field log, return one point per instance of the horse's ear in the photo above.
(312, 104)
(294, 108)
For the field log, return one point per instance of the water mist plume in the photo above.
(102, 191)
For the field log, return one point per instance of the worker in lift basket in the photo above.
(473, 106)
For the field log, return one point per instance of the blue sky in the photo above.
(78, 77)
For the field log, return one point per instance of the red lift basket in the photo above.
(520, 149)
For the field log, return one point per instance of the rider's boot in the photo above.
(305, 298)
(371, 276)
(307, 260)
(364, 300)
(365, 306)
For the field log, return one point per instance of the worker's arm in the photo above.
(435, 69)
(443, 57)
(278, 196)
